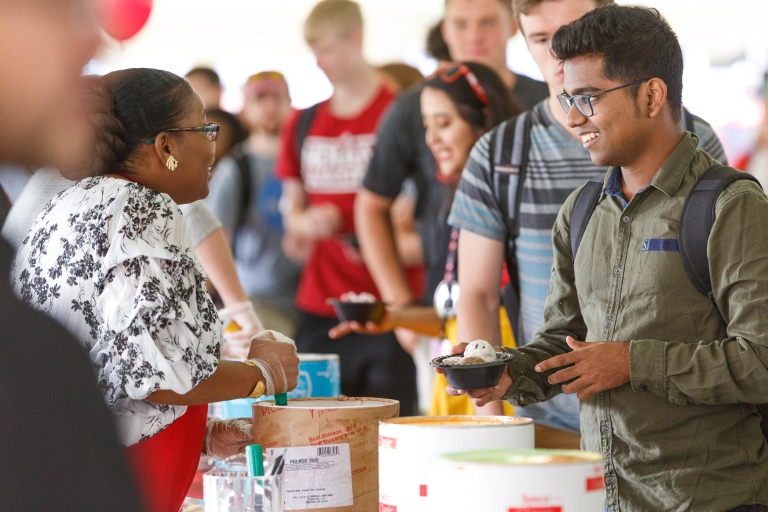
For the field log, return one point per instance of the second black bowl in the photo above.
(473, 376)
(360, 312)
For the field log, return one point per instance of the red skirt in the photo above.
(164, 465)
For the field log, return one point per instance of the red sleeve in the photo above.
(288, 164)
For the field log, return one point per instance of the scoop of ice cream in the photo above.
(481, 349)
(363, 297)
(452, 360)
(473, 360)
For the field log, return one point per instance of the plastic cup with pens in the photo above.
(245, 483)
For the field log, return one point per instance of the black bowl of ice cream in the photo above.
(361, 312)
(463, 374)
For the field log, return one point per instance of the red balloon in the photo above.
(122, 19)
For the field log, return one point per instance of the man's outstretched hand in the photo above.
(591, 367)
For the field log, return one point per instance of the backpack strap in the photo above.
(697, 219)
(303, 125)
(509, 148)
(583, 209)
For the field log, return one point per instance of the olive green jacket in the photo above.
(684, 433)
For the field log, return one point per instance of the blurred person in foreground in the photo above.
(459, 103)
(206, 82)
(122, 276)
(323, 156)
(667, 377)
(556, 164)
(245, 194)
(59, 450)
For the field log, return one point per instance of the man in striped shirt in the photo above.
(557, 165)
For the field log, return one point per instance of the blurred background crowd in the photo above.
(342, 130)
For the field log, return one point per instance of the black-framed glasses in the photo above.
(210, 129)
(583, 102)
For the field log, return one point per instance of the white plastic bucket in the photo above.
(408, 445)
(517, 481)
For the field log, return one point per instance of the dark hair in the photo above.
(436, 46)
(131, 106)
(634, 42)
(525, 6)
(229, 123)
(500, 106)
(205, 73)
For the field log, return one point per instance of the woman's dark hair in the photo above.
(131, 106)
(436, 46)
(229, 123)
(634, 42)
(501, 106)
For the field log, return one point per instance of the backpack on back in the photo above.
(509, 150)
(696, 221)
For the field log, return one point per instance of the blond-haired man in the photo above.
(322, 159)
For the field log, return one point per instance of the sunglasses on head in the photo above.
(449, 73)
(210, 129)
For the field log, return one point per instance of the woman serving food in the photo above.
(111, 259)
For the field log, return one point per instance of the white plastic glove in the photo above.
(275, 355)
(227, 437)
(237, 343)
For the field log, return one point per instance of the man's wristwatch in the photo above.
(261, 386)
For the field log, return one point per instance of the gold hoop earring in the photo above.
(171, 163)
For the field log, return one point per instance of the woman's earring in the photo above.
(171, 163)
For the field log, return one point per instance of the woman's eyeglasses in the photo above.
(583, 102)
(210, 129)
(452, 72)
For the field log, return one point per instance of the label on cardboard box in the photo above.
(316, 476)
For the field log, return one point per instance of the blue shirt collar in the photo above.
(613, 187)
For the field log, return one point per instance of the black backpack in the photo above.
(509, 148)
(696, 219)
(696, 222)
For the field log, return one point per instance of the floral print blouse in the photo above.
(113, 262)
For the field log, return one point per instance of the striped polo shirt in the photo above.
(557, 165)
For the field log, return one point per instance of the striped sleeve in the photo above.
(708, 140)
(475, 207)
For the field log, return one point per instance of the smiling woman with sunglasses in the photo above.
(459, 103)
(112, 260)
